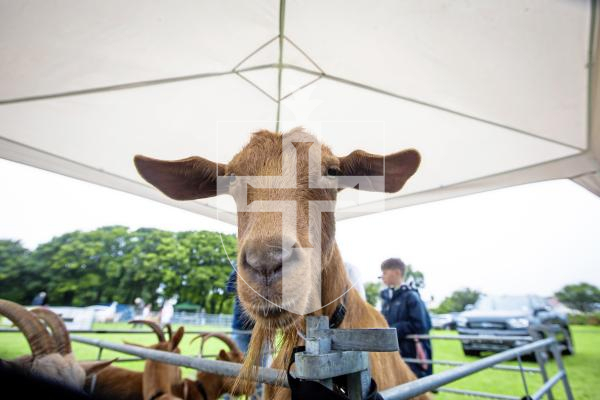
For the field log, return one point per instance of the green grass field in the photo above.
(583, 369)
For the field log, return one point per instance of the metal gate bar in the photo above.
(479, 394)
(133, 331)
(405, 391)
(423, 385)
(458, 364)
(548, 385)
(492, 338)
(265, 375)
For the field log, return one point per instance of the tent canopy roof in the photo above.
(492, 94)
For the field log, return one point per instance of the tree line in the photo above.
(115, 263)
(582, 297)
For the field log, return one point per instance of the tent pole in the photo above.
(280, 61)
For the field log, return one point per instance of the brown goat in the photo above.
(155, 382)
(62, 341)
(213, 385)
(159, 378)
(209, 386)
(116, 382)
(277, 170)
(51, 356)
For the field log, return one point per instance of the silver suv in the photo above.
(509, 316)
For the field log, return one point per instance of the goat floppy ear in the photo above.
(187, 179)
(393, 170)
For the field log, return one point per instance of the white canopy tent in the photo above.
(491, 93)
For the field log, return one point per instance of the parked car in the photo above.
(443, 321)
(509, 316)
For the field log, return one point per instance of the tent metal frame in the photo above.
(583, 167)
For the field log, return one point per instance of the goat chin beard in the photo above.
(275, 314)
(264, 336)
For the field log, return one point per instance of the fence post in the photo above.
(541, 357)
(342, 353)
(555, 347)
(315, 345)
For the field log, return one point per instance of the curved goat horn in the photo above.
(199, 336)
(36, 334)
(60, 334)
(153, 325)
(222, 337)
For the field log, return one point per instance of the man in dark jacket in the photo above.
(404, 310)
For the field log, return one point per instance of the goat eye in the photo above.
(333, 172)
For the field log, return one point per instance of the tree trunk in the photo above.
(68, 298)
(99, 296)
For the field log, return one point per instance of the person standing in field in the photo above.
(404, 310)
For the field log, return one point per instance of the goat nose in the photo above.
(267, 257)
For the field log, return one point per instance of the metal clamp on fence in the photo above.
(332, 353)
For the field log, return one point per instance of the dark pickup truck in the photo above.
(509, 316)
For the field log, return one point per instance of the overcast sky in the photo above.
(527, 239)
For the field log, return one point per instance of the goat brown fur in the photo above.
(264, 239)
(132, 385)
(217, 385)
